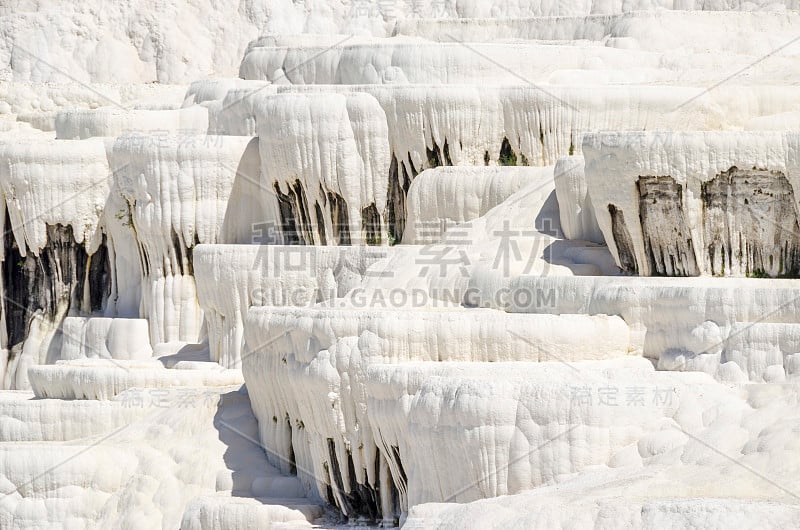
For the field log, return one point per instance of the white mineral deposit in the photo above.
(430, 264)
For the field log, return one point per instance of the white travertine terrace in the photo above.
(445, 196)
(421, 404)
(398, 61)
(110, 121)
(540, 123)
(176, 191)
(102, 379)
(347, 183)
(237, 277)
(737, 329)
(106, 338)
(464, 264)
(758, 32)
(41, 183)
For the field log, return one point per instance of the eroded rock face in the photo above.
(399, 184)
(44, 288)
(667, 240)
(750, 224)
(622, 238)
(700, 212)
(746, 225)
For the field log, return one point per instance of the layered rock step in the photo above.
(174, 194)
(26, 418)
(78, 124)
(105, 338)
(679, 464)
(232, 278)
(429, 334)
(75, 462)
(533, 421)
(444, 197)
(314, 413)
(224, 511)
(404, 60)
(103, 379)
(735, 329)
(642, 30)
(473, 122)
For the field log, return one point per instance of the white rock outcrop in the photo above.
(697, 203)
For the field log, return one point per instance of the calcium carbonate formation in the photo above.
(293, 264)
